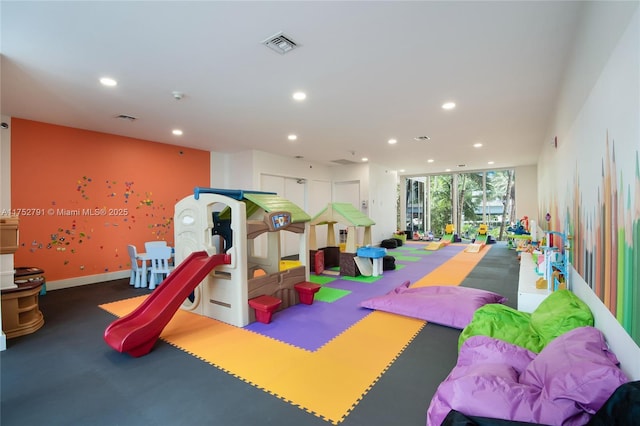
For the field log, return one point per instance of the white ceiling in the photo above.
(371, 70)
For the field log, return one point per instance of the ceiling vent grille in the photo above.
(126, 117)
(280, 43)
(344, 162)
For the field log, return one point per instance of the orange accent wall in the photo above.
(84, 196)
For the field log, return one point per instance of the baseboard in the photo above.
(619, 340)
(88, 279)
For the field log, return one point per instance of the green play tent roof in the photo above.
(343, 213)
(255, 200)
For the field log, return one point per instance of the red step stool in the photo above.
(306, 291)
(265, 306)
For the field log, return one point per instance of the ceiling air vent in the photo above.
(280, 43)
(422, 138)
(126, 117)
(343, 162)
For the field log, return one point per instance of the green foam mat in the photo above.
(408, 258)
(329, 295)
(321, 279)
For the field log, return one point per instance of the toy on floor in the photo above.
(376, 254)
(435, 245)
(449, 235)
(480, 240)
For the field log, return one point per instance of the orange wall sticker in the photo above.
(83, 196)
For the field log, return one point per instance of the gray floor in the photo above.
(64, 374)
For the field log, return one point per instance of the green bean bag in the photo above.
(560, 312)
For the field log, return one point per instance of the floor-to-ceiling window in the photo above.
(464, 200)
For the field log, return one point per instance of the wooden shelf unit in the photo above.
(20, 309)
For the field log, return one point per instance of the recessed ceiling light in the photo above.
(292, 137)
(365, 159)
(299, 96)
(177, 132)
(401, 170)
(477, 145)
(447, 170)
(430, 160)
(393, 141)
(491, 162)
(448, 105)
(106, 81)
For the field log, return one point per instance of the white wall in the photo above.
(597, 124)
(239, 164)
(218, 174)
(233, 171)
(527, 192)
(602, 25)
(266, 163)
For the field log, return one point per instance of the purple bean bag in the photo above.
(452, 306)
(565, 384)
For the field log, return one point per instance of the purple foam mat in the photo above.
(312, 326)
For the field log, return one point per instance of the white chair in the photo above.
(159, 256)
(159, 243)
(136, 279)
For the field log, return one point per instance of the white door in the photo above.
(320, 196)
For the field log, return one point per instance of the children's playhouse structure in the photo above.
(216, 232)
(344, 214)
(236, 222)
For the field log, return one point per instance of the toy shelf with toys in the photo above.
(543, 269)
(521, 235)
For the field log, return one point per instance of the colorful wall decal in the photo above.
(112, 191)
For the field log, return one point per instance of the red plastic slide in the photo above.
(137, 332)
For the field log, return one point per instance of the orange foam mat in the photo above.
(328, 382)
(453, 271)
